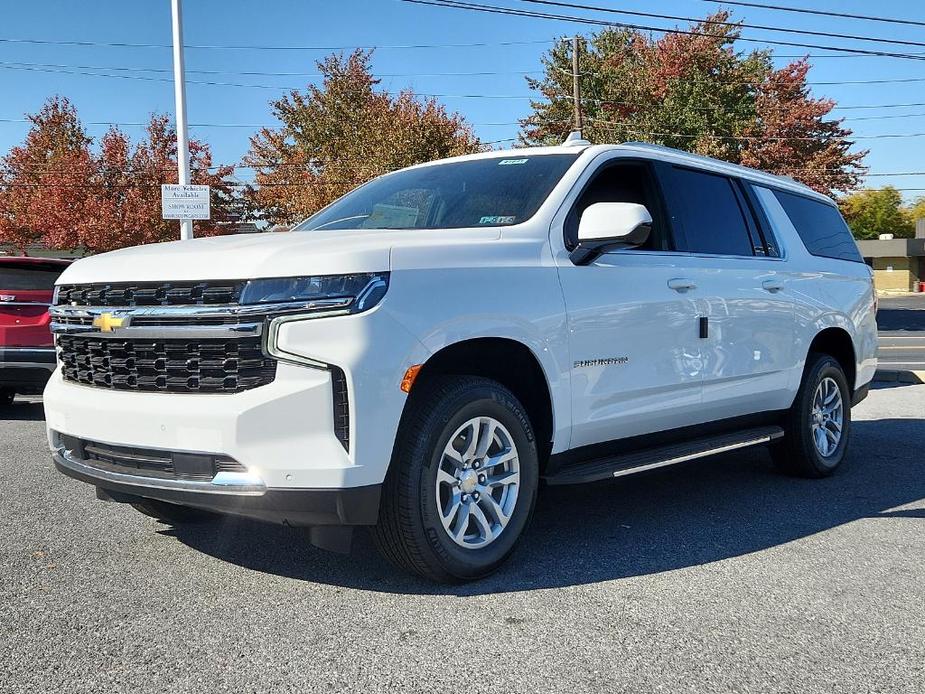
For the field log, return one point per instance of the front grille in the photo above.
(166, 365)
(146, 462)
(151, 294)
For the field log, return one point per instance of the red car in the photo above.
(27, 350)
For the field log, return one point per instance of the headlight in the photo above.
(354, 293)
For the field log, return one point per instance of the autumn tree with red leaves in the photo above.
(343, 133)
(695, 92)
(56, 191)
(127, 196)
(44, 188)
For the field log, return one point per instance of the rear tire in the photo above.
(462, 482)
(817, 427)
(6, 398)
(173, 514)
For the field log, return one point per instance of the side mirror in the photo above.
(608, 225)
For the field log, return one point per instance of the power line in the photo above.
(120, 44)
(245, 73)
(618, 126)
(762, 27)
(140, 124)
(886, 117)
(58, 67)
(853, 108)
(254, 86)
(823, 13)
(494, 9)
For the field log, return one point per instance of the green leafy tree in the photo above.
(696, 93)
(870, 213)
(342, 133)
(916, 210)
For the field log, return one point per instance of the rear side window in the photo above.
(820, 226)
(29, 276)
(711, 215)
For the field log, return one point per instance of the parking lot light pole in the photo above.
(179, 88)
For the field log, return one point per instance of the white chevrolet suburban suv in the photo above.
(422, 353)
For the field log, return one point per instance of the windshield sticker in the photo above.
(391, 217)
(498, 220)
(512, 162)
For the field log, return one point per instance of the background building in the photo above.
(899, 264)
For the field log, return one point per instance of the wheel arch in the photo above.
(507, 361)
(837, 343)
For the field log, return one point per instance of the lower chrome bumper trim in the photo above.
(229, 483)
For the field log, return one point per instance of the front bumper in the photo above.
(26, 369)
(248, 497)
(283, 432)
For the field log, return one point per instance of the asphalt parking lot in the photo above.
(715, 577)
(901, 321)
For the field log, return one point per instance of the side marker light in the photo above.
(408, 380)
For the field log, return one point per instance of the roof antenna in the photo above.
(575, 139)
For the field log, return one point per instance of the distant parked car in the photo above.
(27, 352)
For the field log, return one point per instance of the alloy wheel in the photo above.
(478, 480)
(827, 417)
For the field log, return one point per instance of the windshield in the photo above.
(29, 276)
(478, 192)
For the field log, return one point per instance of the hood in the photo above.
(263, 255)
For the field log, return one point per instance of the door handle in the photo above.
(681, 284)
(772, 285)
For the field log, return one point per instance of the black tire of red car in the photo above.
(174, 514)
(798, 453)
(410, 533)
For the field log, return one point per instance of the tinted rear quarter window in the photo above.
(820, 226)
(711, 216)
(29, 276)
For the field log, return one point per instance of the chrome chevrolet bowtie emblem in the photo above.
(7, 297)
(107, 322)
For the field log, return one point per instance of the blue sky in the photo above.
(29, 73)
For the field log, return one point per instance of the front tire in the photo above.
(462, 483)
(817, 427)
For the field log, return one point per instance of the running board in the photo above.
(653, 458)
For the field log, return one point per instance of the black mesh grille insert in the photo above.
(341, 407)
(151, 294)
(166, 365)
(145, 462)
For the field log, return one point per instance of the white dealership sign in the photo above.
(184, 202)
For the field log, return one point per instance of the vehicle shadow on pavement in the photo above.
(901, 319)
(670, 519)
(23, 412)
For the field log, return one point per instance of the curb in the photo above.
(896, 376)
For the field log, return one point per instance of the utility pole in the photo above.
(576, 87)
(179, 89)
